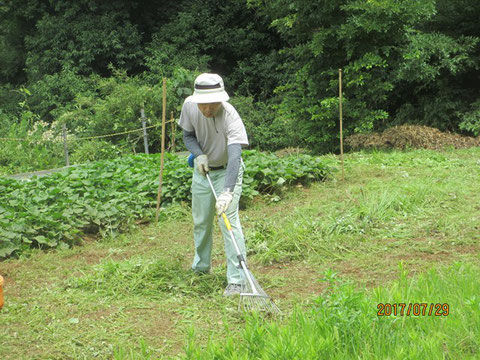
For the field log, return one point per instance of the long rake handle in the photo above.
(241, 259)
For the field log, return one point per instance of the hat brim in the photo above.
(210, 98)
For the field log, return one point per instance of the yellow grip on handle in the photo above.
(227, 223)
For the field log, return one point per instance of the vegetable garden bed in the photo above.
(109, 196)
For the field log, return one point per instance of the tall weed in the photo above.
(344, 323)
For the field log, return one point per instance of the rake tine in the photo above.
(254, 298)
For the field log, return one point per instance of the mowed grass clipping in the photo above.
(140, 276)
(344, 324)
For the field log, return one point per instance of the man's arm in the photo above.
(233, 167)
(191, 143)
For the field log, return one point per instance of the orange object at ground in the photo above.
(1, 291)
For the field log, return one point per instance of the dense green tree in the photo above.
(51, 42)
(440, 67)
(398, 65)
(84, 35)
(404, 61)
(223, 37)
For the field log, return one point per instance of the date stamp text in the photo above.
(415, 309)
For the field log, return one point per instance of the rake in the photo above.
(252, 296)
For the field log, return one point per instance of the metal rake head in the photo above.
(255, 299)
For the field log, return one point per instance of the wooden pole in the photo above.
(341, 120)
(65, 145)
(173, 132)
(164, 109)
(144, 126)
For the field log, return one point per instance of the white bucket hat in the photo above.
(209, 88)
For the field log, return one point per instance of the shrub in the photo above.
(471, 119)
(265, 131)
(94, 150)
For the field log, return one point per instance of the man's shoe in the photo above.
(232, 289)
(199, 272)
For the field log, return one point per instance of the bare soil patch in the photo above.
(298, 280)
(377, 269)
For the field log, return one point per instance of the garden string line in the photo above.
(82, 138)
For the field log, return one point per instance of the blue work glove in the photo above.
(191, 157)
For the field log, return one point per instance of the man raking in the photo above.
(214, 133)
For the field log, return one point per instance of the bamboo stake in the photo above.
(341, 120)
(164, 107)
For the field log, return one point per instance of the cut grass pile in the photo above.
(411, 136)
(138, 276)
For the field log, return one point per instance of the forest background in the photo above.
(91, 65)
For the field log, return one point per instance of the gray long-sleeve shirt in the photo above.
(234, 158)
(220, 137)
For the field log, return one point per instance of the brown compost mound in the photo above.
(411, 136)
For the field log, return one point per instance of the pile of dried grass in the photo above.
(411, 136)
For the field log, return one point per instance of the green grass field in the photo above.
(404, 227)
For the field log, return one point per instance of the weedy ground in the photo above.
(404, 226)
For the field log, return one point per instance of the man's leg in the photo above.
(203, 211)
(234, 274)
